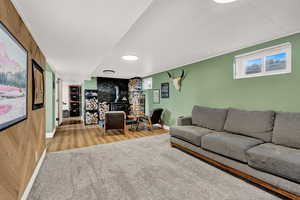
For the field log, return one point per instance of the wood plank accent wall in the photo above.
(22, 144)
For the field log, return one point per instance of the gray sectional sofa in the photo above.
(261, 146)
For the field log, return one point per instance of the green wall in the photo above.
(90, 84)
(211, 83)
(49, 99)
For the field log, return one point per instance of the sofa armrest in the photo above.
(184, 121)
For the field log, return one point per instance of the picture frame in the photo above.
(13, 79)
(156, 96)
(164, 90)
(38, 86)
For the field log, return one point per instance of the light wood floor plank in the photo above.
(73, 134)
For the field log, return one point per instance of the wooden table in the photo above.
(137, 118)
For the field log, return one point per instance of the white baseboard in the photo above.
(51, 134)
(33, 177)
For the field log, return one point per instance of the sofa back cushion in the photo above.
(287, 129)
(257, 124)
(211, 118)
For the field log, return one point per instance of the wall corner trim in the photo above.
(51, 134)
(33, 177)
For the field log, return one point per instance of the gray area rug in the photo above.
(138, 169)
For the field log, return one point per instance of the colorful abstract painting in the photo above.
(13, 80)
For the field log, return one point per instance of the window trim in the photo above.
(238, 66)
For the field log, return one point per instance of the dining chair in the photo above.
(154, 118)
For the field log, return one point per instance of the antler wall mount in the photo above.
(177, 80)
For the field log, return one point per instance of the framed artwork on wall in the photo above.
(156, 96)
(147, 83)
(164, 90)
(13, 79)
(37, 86)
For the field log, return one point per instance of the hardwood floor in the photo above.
(72, 136)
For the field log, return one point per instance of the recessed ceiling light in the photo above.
(224, 1)
(130, 58)
(108, 72)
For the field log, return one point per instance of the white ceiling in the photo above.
(75, 35)
(81, 38)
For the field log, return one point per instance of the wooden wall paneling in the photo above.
(22, 144)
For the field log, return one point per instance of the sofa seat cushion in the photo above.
(287, 129)
(276, 159)
(230, 145)
(212, 118)
(257, 124)
(190, 134)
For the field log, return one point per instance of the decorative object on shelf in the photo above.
(136, 97)
(37, 86)
(124, 99)
(75, 100)
(177, 80)
(13, 79)
(91, 107)
(156, 96)
(164, 90)
(91, 118)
